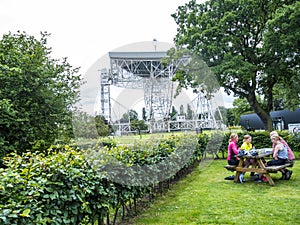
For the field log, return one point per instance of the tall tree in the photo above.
(283, 40)
(230, 117)
(173, 113)
(144, 114)
(37, 92)
(240, 41)
(221, 114)
(189, 112)
(103, 128)
(138, 125)
(128, 116)
(181, 110)
(133, 114)
(125, 118)
(87, 126)
(240, 107)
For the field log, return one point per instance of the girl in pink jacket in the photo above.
(233, 150)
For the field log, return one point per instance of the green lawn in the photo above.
(204, 197)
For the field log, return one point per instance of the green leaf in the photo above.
(6, 211)
(25, 213)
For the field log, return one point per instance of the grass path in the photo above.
(204, 197)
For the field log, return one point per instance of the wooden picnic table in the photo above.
(256, 167)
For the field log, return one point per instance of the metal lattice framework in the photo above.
(105, 95)
(145, 70)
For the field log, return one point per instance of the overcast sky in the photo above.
(84, 31)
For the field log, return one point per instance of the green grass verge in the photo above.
(204, 197)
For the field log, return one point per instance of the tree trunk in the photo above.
(263, 114)
(266, 119)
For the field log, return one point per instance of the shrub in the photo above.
(58, 189)
(60, 186)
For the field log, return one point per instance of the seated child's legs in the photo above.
(274, 162)
(234, 162)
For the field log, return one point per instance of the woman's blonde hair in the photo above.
(233, 136)
(274, 132)
(246, 137)
(276, 137)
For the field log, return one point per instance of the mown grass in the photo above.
(204, 197)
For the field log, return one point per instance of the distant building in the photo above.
(281, 120)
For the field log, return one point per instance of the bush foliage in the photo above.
(36, 93)
(61, 186)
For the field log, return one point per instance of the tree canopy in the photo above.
(251, 46)
(36, 92)
(240, 107)
(87, 126)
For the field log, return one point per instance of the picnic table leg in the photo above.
(254, 164)
(237, 173)
(269, 178)
(266, 174)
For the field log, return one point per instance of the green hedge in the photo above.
(58, 189)
(63, 187)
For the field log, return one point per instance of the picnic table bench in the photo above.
(230, 167)
(275, 169)
(271, 169)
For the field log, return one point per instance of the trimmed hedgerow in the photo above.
(61, 186)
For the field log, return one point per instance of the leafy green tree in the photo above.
(230, 117)
(189, 112)
(251, 46)
(227, 115)
(135, 123)
(173, 113)
(84, 125)
(240, 107)
(7, 114)
(181, 110)
(128, 116)
(283, 39)
(191, 72)
(144, 114)
(125, 118)
(138, 125)
(103, 128)
(221, 114)
(133, 114)
(278, 102)
(37, 92)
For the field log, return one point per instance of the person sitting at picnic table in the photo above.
(291, 155)
(233, 150)
(280, 153)
(280, 156)
(286, 174)
(247, 145)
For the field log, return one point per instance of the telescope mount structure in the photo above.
(146, 71)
